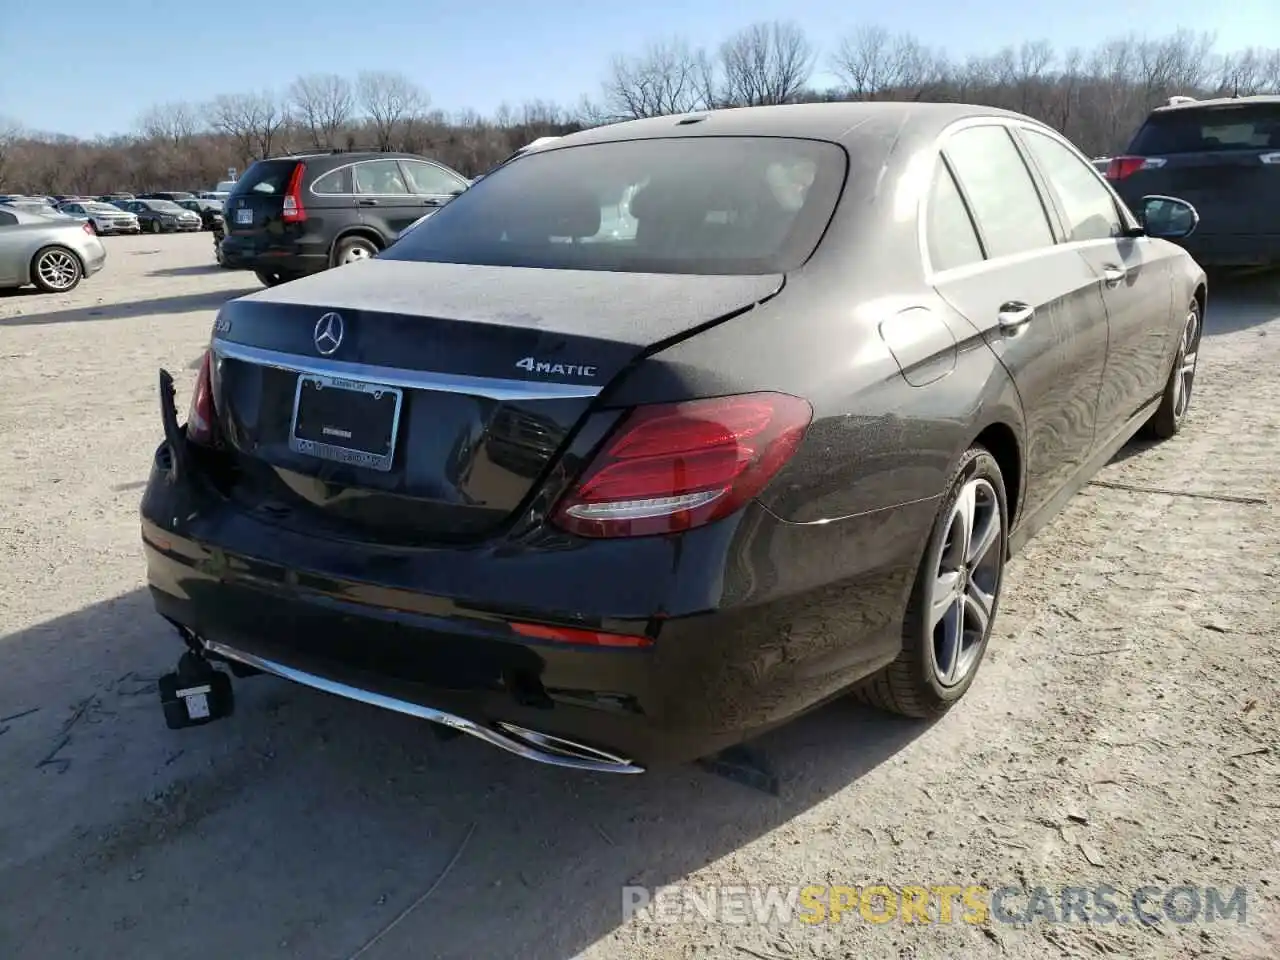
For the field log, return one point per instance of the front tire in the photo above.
(1167, 420)
(155, 226)
(56, 270)
(272, 278)
(955, 598)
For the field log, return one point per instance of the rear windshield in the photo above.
(704, 205)
(1189, 130)
(269, 177)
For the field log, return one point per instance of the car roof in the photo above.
(349, 156)
(834, 122)
(1261, 98)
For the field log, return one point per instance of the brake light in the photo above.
(294, 211)
(87, 227)
(1121, 167)
(575, 635)
(201, 416)
(673, 467)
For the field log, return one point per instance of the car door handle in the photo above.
(430, 202)
(1015, 314)
(1113, 275)
(368, 202)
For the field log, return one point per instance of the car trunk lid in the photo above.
(425, 402)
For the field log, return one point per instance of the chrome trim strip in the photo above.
(553, 754)
(494, 388)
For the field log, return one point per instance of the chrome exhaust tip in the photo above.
(530, 744)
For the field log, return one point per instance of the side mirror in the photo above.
(1167, 217)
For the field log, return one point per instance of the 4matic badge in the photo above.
(534, 365)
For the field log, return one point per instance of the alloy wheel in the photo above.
(355, 253)
(1185, 374)
(965, 585)
(58, 269)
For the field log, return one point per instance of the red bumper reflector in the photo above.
(583, 638)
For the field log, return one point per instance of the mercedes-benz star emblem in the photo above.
(328, 333)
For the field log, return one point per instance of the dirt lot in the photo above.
(1122, 732)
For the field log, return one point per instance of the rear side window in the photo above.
(269, 177)
(334, 183)
(1001, 193)
(951, 237)
(688, 205)
(1250, 126)
(7, 219)
(380, 177)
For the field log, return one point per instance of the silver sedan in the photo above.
(53, 253)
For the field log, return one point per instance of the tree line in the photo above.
(1095, 97)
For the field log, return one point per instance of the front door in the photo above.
(1035, 301)
(1133, 275)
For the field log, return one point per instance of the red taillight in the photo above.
(587, 638)
(1121, 167)
(87, 227)
(201, 415)
(294, 211)
(672, 467)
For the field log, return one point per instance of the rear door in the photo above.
(13, 247)
(383, 198)
(1033, 298)
(1224, 159)
(255, 209)
(432, 184)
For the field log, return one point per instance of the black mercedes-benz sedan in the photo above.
(671, 430)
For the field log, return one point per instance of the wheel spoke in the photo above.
(966, 506)
(946, 592)
(951, 643)
(977, 608)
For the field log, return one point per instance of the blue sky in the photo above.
(104, 62)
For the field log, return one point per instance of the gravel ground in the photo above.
(1122, 732)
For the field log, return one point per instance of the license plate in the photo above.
(346, 421)
(244, 216)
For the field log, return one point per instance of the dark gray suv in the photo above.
(1223, 157)
(300, 214)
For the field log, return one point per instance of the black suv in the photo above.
(1223, 157)
(291, 216)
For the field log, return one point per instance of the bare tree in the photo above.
(10, 132)
(765, 63)
(323, 103)
(667, 77)
(874, 63)
(253, 121)
(175, 123)
(393, 102)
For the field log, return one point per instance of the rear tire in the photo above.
(955, 598)
(1167, 420)
(353, 250)
(272, 278)
(56, 270)
(155, 226)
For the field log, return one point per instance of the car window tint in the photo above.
(380, 177)
(691, 205)
(951, 237)
(7, 219)
(1237, 126)
(334, 183)
(427, 178)
(1002, 194)
(1087, 207)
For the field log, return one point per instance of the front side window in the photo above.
(1002, 195)
(1086, 204)
(702, 205)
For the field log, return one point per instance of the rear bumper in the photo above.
(753, 620)
(96, 261)
(290, 256)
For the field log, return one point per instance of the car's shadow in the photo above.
(183, 303)
(1241, 300)
(199, 270)
(304, 824)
